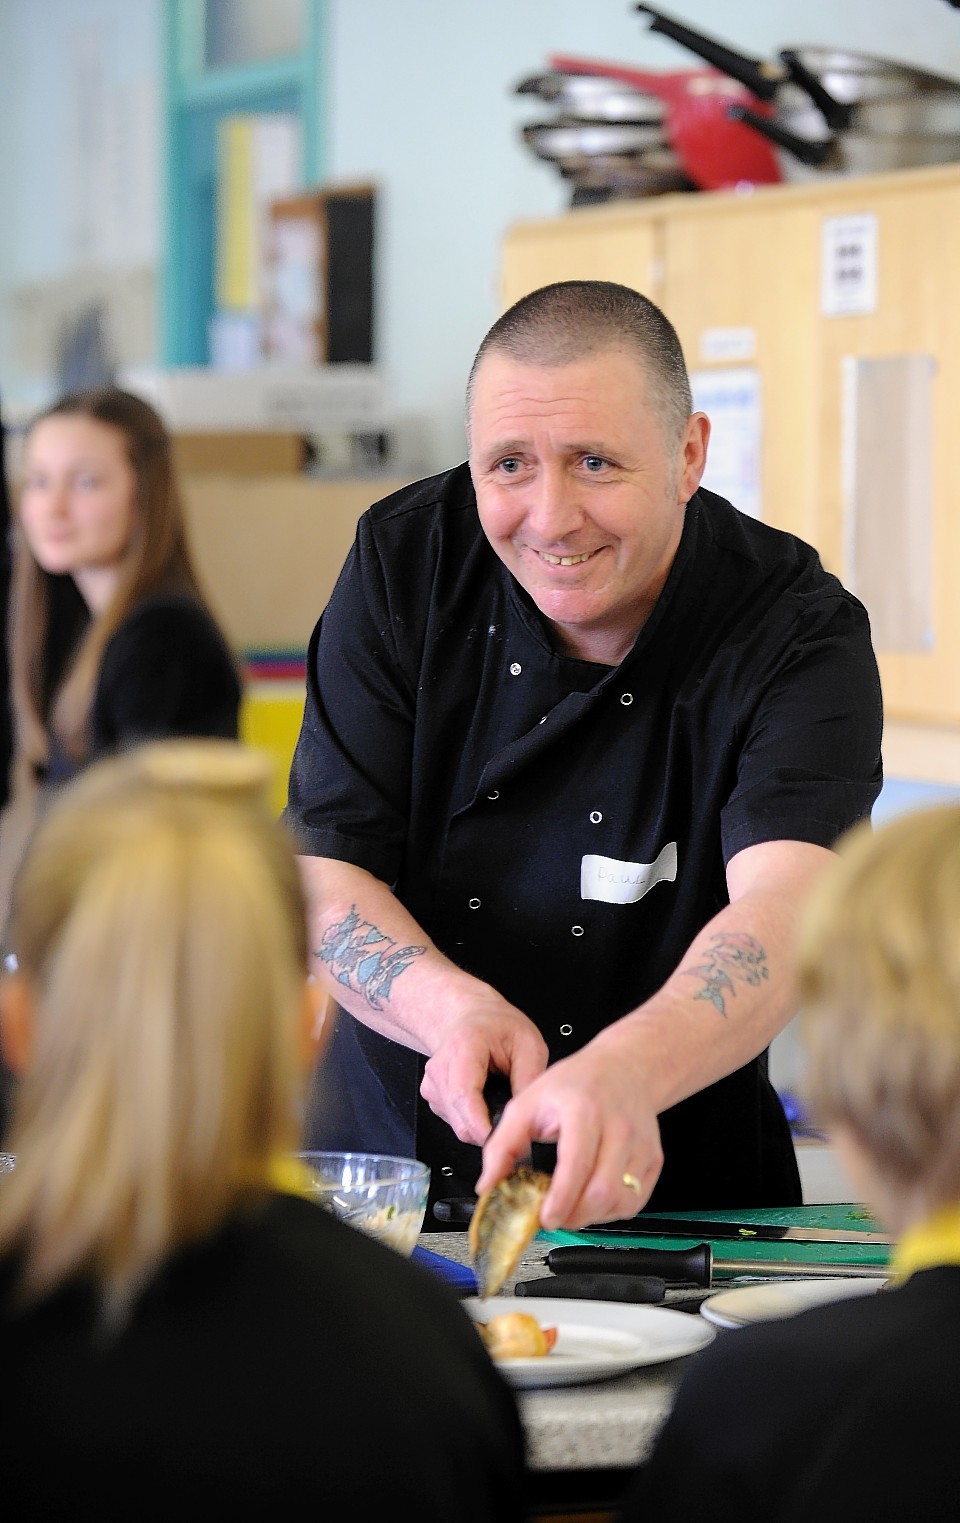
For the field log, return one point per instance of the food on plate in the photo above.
(505, 1219)
(516, 1335)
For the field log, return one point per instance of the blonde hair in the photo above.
(159, 917)
(158, 558)
(879, 981)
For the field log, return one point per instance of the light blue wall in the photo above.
(420, 100)
(422, 97)
(39, 40)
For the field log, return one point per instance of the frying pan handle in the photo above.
(761, 78)
(804, 149)
(836, 113)
(639, 79)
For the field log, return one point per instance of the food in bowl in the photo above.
(516, 1335)
(382, 1195)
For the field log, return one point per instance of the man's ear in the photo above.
(316, 1021)
(693, 455)
(16, 1022)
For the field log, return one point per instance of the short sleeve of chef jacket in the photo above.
(771, 659)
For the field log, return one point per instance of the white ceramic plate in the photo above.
(781, 1298)
(595, 1339)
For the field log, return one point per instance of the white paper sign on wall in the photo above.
(731, 399)
(848, 273)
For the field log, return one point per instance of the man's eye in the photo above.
(510, 466)
(594, 462)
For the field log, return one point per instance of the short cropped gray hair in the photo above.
(574, 319)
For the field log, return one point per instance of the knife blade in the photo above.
(757, 1232)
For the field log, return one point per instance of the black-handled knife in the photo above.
(691, 1265)
(595, 1287)
(496, 1093)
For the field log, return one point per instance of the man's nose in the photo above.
(553, 507)
(57, 496)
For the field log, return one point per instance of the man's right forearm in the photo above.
(377, 961)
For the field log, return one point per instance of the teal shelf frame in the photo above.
(196, 99)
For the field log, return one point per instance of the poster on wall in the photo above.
(731, 400)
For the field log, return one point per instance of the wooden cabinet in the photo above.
(269, 549)
(753, 265)
(619, 241)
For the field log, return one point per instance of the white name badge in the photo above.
(614, 882)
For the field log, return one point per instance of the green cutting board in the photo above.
(850, 1217)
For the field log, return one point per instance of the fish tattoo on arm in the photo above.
(734, 959)
(364, 958)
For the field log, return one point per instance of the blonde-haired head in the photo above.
(158, 920)
(879, 980)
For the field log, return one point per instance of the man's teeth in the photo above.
(564, 560)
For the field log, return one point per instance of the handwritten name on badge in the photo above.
(614, 882)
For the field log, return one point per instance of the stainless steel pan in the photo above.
(567, 139)
(851, 153)
(592, 98)
(715, 152)
(834, 80)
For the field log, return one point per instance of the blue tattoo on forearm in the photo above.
(363, 958)
(734, 959)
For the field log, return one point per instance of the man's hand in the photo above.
(492, 1035)
(377, 962)
(595, 1105)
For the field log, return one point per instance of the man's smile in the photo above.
(565, 560)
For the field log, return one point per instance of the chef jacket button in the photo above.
(577, 930)
(566, 1030)
(595, 817)
(446, 1169)
(474, 904)
(494, 795)
(515, 668)
(626, 699)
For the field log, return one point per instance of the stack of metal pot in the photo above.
(834, 112)
(606, 139)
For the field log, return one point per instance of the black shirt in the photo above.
(843, 1412)
(562, 829)
(288, 1367)
(166, 671)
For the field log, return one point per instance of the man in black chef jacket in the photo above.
(578, 739)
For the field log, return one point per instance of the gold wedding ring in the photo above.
(632, 1183)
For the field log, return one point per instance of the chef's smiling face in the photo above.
(579, 491)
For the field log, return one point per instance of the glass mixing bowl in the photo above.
(385, 1197)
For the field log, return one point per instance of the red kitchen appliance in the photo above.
(716, 152)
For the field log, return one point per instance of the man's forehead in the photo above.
(497, 366)
(588, 396)
(503, 383)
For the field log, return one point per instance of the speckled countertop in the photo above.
(603, 1424)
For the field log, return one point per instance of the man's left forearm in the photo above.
(734, 989)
